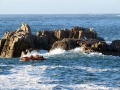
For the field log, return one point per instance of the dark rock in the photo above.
(66, 44)
(2, 42)
(116, 45)
(100, 39)
(44, 39)
(93, 45)
(100, 46)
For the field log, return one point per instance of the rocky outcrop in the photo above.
(13, 43)
(100, 46)
(20, 41)
(92, 45)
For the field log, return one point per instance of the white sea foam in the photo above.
(34, 52)
(45, 52)
(93, 70)
(108, 42)
(90, 69)
(28, 77)
(77, 49)
(90, 54)
(90, 86)
(57, 51)
(71, 53)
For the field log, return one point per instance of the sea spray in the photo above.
(57, 51)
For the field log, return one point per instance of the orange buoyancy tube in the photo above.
(36, 57)
(27, 58)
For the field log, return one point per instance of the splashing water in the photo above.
(57, 51)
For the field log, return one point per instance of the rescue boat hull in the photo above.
(27, 59)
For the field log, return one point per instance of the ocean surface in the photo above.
(62, 70)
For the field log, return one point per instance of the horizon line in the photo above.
(52, 13)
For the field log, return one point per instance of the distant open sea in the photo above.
(63, 70)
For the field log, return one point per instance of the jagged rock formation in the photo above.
(80, 32)
(13, 43)
(20, 41)
(46, 38)
(61, 34)
(93, 45)
(101, 46)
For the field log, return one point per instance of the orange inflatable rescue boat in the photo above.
(37, 57)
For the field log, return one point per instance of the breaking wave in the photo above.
(77, 51)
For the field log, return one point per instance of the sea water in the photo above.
(62, 70)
